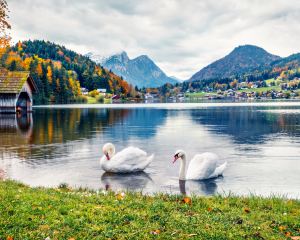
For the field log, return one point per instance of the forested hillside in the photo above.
(58, 72)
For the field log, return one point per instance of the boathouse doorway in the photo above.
(24, 103)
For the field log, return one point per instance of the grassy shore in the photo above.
(40, 213)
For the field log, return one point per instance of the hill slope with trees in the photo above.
(58, 72)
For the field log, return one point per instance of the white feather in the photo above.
(130, 159)
(202, 166)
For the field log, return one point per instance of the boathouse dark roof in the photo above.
(12, 82)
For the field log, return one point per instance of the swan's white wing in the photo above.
(202, 166)
(130, 159)
(219, 170)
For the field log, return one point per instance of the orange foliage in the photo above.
(49, 74)
(13, 56)
(57, 64)
(19, 46)
(39, 69)
(26, 63)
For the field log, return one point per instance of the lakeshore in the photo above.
(64, 213)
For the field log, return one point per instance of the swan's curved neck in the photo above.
(182, 168)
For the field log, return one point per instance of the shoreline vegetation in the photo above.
(65, 213)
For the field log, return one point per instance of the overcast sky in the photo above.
(181, 36)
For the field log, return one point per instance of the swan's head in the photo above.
(178, 154)
(108, 150)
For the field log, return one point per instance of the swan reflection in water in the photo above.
(204, 187)
(125, 181)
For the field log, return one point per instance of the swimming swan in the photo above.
(202, 166)
(128, 160)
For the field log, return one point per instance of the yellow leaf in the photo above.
(120, 196)
(9, 238)
(281, 228)
(71, 238)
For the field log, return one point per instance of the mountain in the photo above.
(241, 60)
(140, 71)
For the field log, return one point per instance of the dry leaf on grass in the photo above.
(287, 234)
(192, 235)
(282, 228)
(247, 210)
(120, 196)
(209, 209)
(155, 232)
(187, 200)
(295, 238)
(9, 238)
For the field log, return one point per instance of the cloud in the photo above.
(180, 36)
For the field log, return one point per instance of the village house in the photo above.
(16, 89)
(101, 90)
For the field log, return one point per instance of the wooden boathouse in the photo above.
(16, 89)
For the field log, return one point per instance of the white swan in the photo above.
(130, 159)
(202, 166)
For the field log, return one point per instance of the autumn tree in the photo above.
(4, 24)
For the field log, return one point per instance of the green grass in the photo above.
(262, 89)
(96, 100)
(268, 81)
(38, 213)
(91, 100)
(199, 94)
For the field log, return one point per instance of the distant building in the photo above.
(101, 90)
(16, 89)
(84, 91)
(148, 96)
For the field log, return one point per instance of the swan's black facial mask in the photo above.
(175, 157)
(107, 156)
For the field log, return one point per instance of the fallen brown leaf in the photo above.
(187, 200)
(287, 234)
(155, 232)
(247, 210)
(9, 238)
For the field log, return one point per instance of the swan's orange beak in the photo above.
(107, 156)
(175, 158)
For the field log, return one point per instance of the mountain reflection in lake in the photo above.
(52, 146)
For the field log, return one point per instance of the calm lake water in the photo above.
(261, 143)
